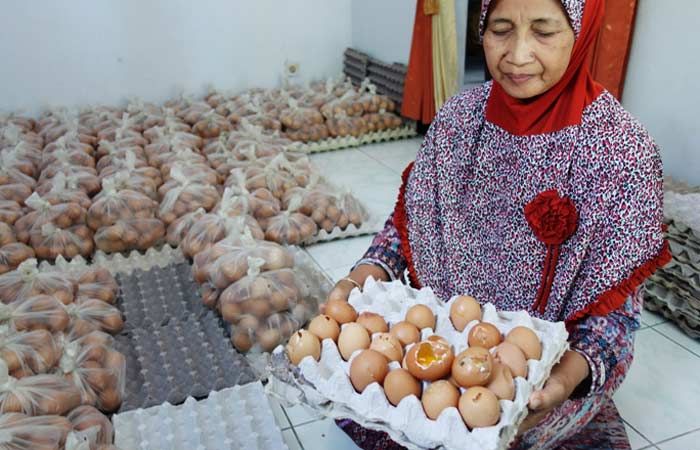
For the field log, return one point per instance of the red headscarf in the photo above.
(563, 104)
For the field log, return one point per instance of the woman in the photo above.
(536, 191)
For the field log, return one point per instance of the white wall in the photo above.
(662, 82)
(92, 51)
(383, 28)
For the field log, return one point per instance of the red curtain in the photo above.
(609, 60)
(418, 94)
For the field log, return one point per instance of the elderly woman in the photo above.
(536, 192)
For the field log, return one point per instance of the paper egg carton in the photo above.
(235, 418)
(685, 254)
(338, 143)
(118, 263)
(326, 383)
(372, 225)
(187, 358)
(688, 321)
(152, 298)
(673, 299)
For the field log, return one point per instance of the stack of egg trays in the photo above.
(389, 79)
(175, 347)
(674, 290)
(235, 418)
(355, 65)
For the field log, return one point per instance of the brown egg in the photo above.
(527, 340)
(399, 384)
(484, 335)
(463, 310)
(115, 361)
(368, 367)
(110, 400)
(406, 333)
(510, 354)
(269, 339)
(373, 322)
(502, 383)
(241, 341)
(303, 344)
(439, 396)
(430, 359)
(324, 327)
(353, 336)
(421, 316)
(472, 367)
(342, 312)
(479, 407)
(387, 345)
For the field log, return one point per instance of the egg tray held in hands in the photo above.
(326, 383)
(187, 358)
(235, 418)
(154, 297)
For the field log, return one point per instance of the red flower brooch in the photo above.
(553, 219)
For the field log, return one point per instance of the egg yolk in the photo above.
(425, 356)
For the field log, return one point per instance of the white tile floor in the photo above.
(659, 400)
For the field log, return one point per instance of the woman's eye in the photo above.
(545, 34)
(500, 32)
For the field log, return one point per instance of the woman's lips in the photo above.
(519, 78)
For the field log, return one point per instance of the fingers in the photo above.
(552, 395)
(340, 292)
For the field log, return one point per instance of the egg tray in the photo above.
(339, 143)
(682, 274)
(690, 324)
(186, 358)
(679, 286)
(684, 253)
(154, 297)
(235, 418)
(674, 299)
(372, 225)
(326, 385)
(118, 263)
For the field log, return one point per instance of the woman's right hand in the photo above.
(341, 290)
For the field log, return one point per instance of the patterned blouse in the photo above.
(467, 233)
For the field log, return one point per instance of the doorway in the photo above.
(475, 71)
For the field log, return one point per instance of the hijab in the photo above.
(563, 104)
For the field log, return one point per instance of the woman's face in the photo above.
(528, 45)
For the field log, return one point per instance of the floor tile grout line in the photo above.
(284, 411)
(359, 150)
(381, 162)
(307, 422)
(674, 341)
(296, 436)
(634, 429)
(663, 441)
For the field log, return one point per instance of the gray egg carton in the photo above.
(155, 297)
(664, 305)
(186, 358)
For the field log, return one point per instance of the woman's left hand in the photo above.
(565, 377)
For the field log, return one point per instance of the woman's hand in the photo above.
(342, 289)
(565, 377)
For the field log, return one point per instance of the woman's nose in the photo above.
(520, 52)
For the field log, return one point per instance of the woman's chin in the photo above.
(522, 91)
